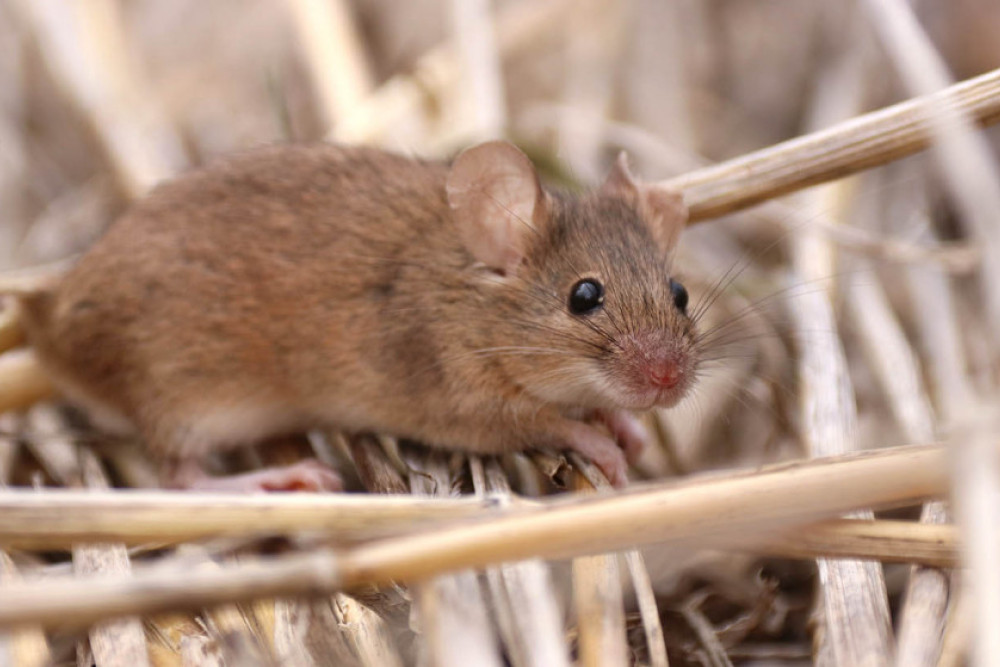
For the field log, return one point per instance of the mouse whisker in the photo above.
(510, 350)
(729, 277)
(755, 306)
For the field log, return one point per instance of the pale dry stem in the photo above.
(846, 148)
(972, 177)
(712, 511)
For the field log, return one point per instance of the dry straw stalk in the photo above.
(971, 175)
(597, 601)
(590, 478)
(523, 595)
(717, 510)
(22, 380)
(843, 149)
(60, 518)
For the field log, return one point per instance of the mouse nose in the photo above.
(663, 373)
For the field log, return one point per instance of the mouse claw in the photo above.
(308, 475)
(616, 470)
(628, 430)
(601, 450)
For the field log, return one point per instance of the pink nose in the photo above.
(663, 373)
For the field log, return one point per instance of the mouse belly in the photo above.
(105, 416)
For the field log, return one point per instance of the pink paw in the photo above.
(612, 463)
(628, 430)
(601, 450)
(308, 475)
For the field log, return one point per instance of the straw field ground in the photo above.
(829, 493)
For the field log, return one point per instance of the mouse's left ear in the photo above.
(620, 180)
(497, 203)
(663, 209)
(666, 212)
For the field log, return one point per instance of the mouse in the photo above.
(457, 303)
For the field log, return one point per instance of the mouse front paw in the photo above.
(601, 450)
(627, 429)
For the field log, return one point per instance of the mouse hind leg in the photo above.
(307, 475)
(185, 441)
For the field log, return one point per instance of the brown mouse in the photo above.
(461, 305)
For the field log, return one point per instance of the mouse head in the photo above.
(580, 287)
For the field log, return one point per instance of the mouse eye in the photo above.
(586, 296)
(680, 295)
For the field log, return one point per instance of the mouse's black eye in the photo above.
(586, 296)
(680, 295)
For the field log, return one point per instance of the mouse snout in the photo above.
(654, 368)
(663, 372)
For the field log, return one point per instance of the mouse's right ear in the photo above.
(662, 208)
(497, 203)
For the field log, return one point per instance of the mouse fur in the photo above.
(298, 286)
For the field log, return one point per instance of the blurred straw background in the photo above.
(848, 317)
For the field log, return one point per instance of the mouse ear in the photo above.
(497, 202)
(666, 212)
(620, 180)
(663, 209)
